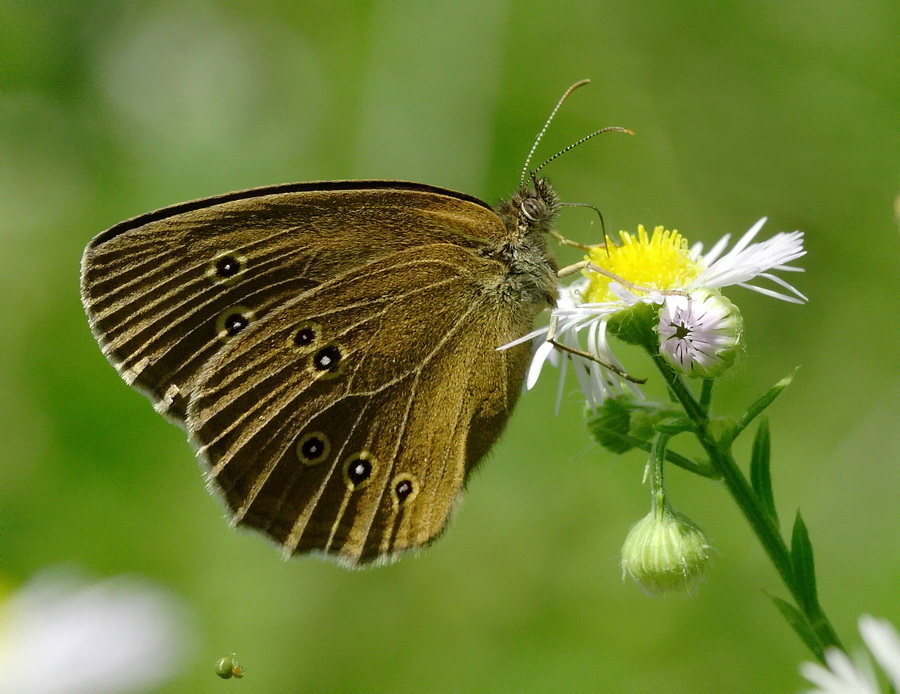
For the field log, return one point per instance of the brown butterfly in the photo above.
(330, 347)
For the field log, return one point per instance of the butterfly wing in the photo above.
(199, 306)
(347, 420)
(158, 289)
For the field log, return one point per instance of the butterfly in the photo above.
(330, 347)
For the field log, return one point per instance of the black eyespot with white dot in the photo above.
(327, 359)
(358, 469)
(226, 267)
(313, 448)
(405, 489)
(233, 321)
(304, 336)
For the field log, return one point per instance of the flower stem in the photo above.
(706, 394)
(657, 483)
(760, 521)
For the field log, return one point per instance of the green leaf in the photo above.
(622, 424)
(637, 326)
(758, 407)
(760, 476)
(802, 562)
(800, 625)
(645, 418)
(610, 425)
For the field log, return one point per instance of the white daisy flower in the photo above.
(856, 676)
(61, 635)
(660, 269)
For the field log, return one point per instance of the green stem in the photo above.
(703, 469)
(657, 482)
(753, 510)
(706, 394)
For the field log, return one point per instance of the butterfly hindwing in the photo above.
(347, 419)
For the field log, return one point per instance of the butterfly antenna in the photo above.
(547, 125)
(611, 129)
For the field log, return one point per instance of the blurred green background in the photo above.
(740, 110)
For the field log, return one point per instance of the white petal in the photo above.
(562, 382)
(748, 261)
(772, 293)
(820, 676)
(717, 249)
(777, 280)
(745, 240)
(537, 363)
(882, 639)
(530, 336)
(583, 374)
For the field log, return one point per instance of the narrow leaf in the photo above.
(800, 625)
(802, 561)
(760, 405)
(760, 476)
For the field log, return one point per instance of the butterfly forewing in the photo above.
(166, 290)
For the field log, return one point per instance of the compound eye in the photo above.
(531, 209)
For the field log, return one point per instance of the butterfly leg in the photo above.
(574, 244)
(572, 269)
(551, 338)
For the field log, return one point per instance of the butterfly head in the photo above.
(533, 209)
(529, 216)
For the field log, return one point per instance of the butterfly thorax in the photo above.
(530, 279)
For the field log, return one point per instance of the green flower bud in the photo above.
(665, 551)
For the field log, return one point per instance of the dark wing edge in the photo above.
(277, 189)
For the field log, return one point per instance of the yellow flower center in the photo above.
(661, 261)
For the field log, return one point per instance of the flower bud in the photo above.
(636, 324)
(700, 334)
(664, 551)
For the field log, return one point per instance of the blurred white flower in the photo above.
(62, 635)
(856, 676)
